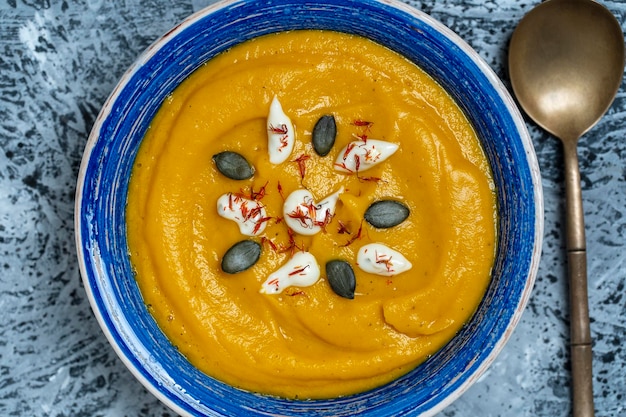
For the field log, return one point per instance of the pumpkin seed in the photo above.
(341, 278)
(384, 214)
(241, 256)
(324, 134)
(233, 165)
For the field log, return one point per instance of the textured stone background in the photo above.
(59, 60)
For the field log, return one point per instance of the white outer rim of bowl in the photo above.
(469, 51)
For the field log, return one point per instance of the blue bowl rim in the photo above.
(94, 272)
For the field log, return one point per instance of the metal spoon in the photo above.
(566, 60)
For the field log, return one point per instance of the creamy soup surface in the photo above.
(306, 341)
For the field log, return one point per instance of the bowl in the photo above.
(118, 131)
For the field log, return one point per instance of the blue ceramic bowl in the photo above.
(120, 127)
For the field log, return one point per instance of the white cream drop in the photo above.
(361, 155)
(379, 259)
(250, 215)
(280, 133)
(306, 217)
(301, 270)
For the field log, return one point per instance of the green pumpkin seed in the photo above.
(241, 256)
(384, 214)
(233, 165)
(341, 278)
(324, 134)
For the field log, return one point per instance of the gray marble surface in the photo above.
(59, 60)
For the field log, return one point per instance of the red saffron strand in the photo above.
(259, 194)
(312, 211)
(258, 224)
(371, 179)
(279, 130)
(328, 217)
(283, 142)
(300, 215)
(255, 211)
(343, 166)
(301, 164)
(280, 191)
(343, 229)
(366, 125)
(245, 212)
(300, 270)
(292, 243)
(271, 244)
(356, 236)
(349, 148)
(384, 260)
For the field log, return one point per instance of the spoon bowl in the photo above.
(566, 60)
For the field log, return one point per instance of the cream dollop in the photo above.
(301, 270)
(361, 155)
(249, 214)
(306, 217)
(379, 259)
(280, 133)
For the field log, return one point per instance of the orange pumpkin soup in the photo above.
(305, 339)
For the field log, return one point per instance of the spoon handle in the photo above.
(581, 354)
(580, 333)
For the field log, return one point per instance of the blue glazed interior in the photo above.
(108, 168)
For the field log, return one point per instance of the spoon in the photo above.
(566, 60)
